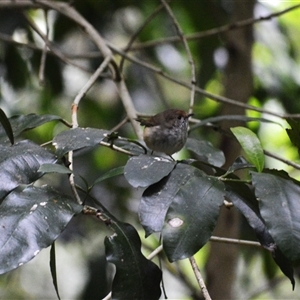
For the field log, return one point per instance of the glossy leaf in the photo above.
(30, 220)
(244, 200)
(279, 206)
(157, 198)
(192, 216)
(144, 170)
(19, 164)
(136, 277)
(251, 145)
(206, 152)
(77, 138)
(6, 126)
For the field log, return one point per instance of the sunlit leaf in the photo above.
(30, 220)
(251, 145)
(136, 277)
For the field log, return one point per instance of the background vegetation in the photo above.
(227, 61)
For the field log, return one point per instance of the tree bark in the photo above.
(221, 265)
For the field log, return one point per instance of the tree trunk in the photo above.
(221, 266)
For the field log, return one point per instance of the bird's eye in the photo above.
(179, 117)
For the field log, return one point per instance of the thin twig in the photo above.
(199, 278)
(92, 80)
(212, 32)
(138, 31)
(197, 89)
(188, 51)
(234, 241)
(286, 161)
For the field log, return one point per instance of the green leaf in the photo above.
(144, 170)
(136, 277)
(244, 200)
(251, 145)
(206, 152)
(77, 138)
(279, 206)
(53, 268)
(294, 132)
(157, 198)
(6, 126)
(22, 123)
(54, 168)
(19, 164)
(109, 174)
(192, 216)
(30, 220)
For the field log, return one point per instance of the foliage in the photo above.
(181, 199)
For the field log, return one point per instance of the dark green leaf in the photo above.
(24, 122)
(111, 173)
(158, 197)
(144, 170)
(238, 164)
(6, 126)
(192, 216)
(54, 168)
(19, 164)
(30, 220)
(294, 132)
(244, 200)
(136, 277)
(280, 206)
(206, 151)
(251, 145)
(53, 268)
(77, 138)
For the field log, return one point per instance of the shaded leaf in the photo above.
(19, 164)
(251, 145)
(22, 123)
(144, 170)
(54, 168)
(238, 164)
(6, 126)
(206, 151)
(280, 206)
(294, 132)
(109, 174)
(244, 200)
(30, 220)
(53, 268)
(157, 198)
(136, 277)
(77, 138)
(192, 215)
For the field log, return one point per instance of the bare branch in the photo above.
(188, 51)
(199, 278)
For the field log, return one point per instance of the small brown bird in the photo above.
(167, 131)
